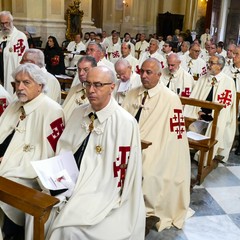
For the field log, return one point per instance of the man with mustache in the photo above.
(13, 44)
(29, 130)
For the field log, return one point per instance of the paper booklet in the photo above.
(52, 170)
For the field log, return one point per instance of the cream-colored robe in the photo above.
(13, 52)
(76, 97)
(225, 93)
(101, 207)
(181, 82)
(166, 163)
(133, 82)
(35, 138)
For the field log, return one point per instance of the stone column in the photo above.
(44, 18)
(222, 23)
(190, 15)
(87, 23)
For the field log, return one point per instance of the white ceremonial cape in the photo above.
(196, 67)
(181, 82)
(13, 52)
(101, 207)
(133, 82)
(166, 163)
(132, 61)
(156, 55)
(114, 52)
(35, 138)
(53, 86)
(142, 47)
(225, 93)
(5, 99)
(76, 97)
(75, 50)
(234, 73)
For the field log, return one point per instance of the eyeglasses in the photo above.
(197, 51)
(95, 84)
(213, 63)
(86, 70)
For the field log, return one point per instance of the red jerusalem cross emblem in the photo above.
(177, 123)
(225, 98)
(57, 129)
(121, 168)
(116, 54)
(19, 47)
(3, 105)
(186, 92)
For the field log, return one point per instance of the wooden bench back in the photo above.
(30, 201)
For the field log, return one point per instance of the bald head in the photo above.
(99, 86)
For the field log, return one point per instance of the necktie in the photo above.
(2, 46)
(171, 76)
(235, 76)
(189, 66)
(75, 48)
(79, 153)
(210, 97)
(23, 114)
(141, 107)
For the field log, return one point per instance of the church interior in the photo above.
(216, 201)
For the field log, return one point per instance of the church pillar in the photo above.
(222, 23)
(87, 23)
(41, 18)
(190, 15)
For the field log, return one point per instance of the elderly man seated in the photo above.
(29, 130)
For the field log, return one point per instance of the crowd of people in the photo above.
(124, 91)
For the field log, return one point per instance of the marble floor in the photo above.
(217, 207)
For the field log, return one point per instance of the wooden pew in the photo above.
(205, 147)
(65, 83)
(30, 201)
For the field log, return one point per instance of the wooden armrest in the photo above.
(145, 144)
(30, 201)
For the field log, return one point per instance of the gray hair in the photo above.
(99, 46)
(88, 58)
(157, 62)
(154, 40)
(34, 72)
(221, 60)
(7, 13)
(36, 56)
(122, 62)
(187, 44)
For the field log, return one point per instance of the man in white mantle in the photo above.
(13, 44)
(166, 163)
(107, 201)
(29, 130)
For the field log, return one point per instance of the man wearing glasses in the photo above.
(217, 87)
(194, 64)
(77, 94)
(107, 201)
(13, 44)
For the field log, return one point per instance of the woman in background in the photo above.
(54, 57)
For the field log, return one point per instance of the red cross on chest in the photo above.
(177, 123)
(186, 92)
(121, 168)
(3, 105)
(225, 98)
(57, 129)
(19, 47)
